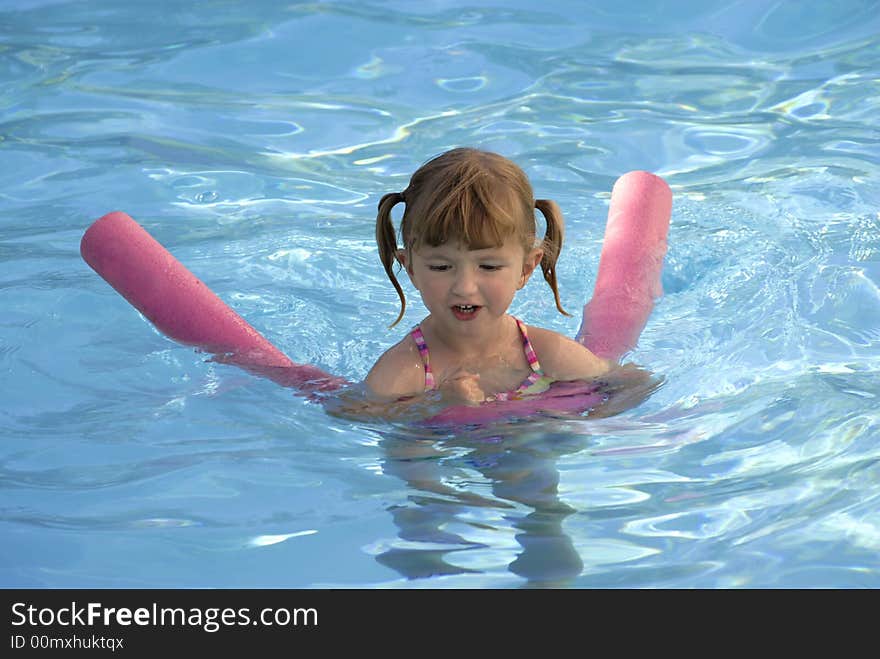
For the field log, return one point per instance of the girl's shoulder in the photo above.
(563, 358)
(398, 372)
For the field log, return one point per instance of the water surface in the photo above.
(255, 141)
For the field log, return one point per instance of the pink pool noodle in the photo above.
(628, 280)
(180, 305)
(183, 308)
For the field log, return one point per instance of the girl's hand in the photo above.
(463, 388)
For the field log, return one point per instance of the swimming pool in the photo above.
(255, 142)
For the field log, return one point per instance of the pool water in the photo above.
(254, 141)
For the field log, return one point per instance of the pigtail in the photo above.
(387, 241)
(552, 245)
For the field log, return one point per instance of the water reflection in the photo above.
(472, 487)
(464, 488)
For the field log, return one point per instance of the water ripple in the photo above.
(755, 464)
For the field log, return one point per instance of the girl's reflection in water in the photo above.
(519, 471)
(485, 482)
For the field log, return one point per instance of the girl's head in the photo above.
(475, 198)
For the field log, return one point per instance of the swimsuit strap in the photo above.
(534, 364)
(531, 357)
(528, 351)
(419, 338)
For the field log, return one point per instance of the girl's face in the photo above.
(468, 290)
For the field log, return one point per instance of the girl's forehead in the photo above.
(456, 246)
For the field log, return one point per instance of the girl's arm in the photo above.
(564, 359)
(394, 389)
(398, 373)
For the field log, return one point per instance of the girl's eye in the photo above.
(438, 268)
(490, 268)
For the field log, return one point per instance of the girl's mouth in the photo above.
(465, 311)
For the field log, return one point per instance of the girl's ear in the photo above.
(402, 258)
(532, 260)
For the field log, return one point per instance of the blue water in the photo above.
(254, 141)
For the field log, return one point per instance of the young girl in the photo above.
(469, 243)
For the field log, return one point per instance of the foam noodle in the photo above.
(628, 280)
(183, 308)
(180, 305)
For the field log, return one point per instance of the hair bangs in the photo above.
(470, 210)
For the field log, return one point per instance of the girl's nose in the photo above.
(465, 282)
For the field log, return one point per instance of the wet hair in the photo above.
(474, 197)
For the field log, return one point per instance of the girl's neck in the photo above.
(472, 347)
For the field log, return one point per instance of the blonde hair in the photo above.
(476, 197)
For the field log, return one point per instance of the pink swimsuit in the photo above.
(535, 383)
